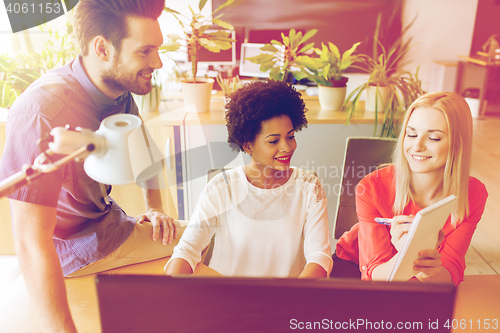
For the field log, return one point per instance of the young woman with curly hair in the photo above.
(269, 219)
(431, 161)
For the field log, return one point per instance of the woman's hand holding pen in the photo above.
(428, 265)
(399, 228)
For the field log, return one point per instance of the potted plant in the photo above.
(228, 87)
(197, 91)
(279, 57)
(327, 71)
(389, 89)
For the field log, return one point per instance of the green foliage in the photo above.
(281, 56)
(230, 85)
(405, 87)
(19, 71)
(60, 48)
(330, 65)
(384, 68)
(16, 74)
(196, 36)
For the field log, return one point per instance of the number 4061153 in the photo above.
(42, 8)
(462, 324)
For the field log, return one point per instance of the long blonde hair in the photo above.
(457, 168)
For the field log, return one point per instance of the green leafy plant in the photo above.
(384, 70)
(16, 74)
(19, 71)
(196, 35)
(229, 86)
(60, 48)
(329, 66)
(279, 57)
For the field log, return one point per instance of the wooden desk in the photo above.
(488, 68)
(478, 298)
(82, 295)
(478, 304)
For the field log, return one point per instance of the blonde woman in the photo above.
(431, 161)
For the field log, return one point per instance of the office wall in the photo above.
(442, 31)
(342, 22)
(487, 23)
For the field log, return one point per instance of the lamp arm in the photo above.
(65, 141)
(18, 180)
(78, 144)
(39, 167)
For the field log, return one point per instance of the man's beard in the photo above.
(117, 80)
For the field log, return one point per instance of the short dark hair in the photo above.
(107, 18)
(259, 101)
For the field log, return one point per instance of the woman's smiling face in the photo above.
(426, 141)
(274, 146)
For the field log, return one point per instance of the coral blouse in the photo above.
(369, 243)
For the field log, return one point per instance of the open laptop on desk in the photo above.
(140, 303)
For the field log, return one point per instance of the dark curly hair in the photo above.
(259, 101)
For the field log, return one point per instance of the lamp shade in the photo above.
(127, 155)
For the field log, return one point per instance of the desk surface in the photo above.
(82, 294)
(479, 60)
(478, 303)
(478, 298)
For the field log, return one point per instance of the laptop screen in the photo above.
(139, 303)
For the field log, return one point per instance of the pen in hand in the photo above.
(383, 220)
(386, 221)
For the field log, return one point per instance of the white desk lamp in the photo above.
(119, 152)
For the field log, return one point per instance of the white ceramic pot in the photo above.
(331, 98)
(474, 106)
(377, 103)
(197, 95)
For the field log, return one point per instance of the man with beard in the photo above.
(63, 224)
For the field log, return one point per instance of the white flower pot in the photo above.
(197, 95)
(376, 103)
(474, 106)
(331, 98)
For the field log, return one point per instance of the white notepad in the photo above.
(423, 234)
